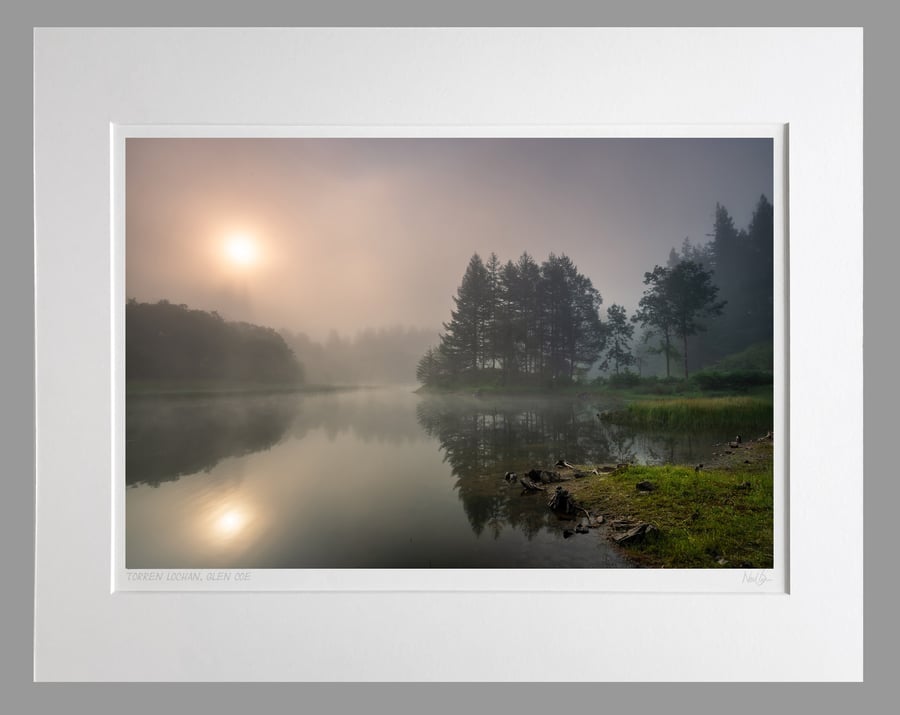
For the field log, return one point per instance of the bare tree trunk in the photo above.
(668, 355)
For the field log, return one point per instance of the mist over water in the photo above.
(363, 479)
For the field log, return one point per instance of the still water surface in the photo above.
(369, 478)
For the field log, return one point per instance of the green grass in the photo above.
(695, 412)
(709, 519)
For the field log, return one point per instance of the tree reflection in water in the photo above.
(483, 441)
(169, 437)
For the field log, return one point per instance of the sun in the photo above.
(241, 250)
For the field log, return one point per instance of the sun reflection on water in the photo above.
(229, 522)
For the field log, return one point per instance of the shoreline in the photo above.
(679, 516)
(140, 389)
(584, 392)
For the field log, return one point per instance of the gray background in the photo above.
(16, 377)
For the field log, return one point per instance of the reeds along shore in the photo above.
(694, 412)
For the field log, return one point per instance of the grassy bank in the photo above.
(694, 412)
(720, 517)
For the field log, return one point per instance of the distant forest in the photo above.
(164, 341)
(741, 262)
(372, 357)
(524, 323)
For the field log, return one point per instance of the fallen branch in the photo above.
(592, 520)
(531, 486)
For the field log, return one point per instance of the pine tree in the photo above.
(725, 244)
(655, 312)
(619, 332)
(589, 334)
(465, 333)
(493, 326)
(510, 340)
(427, 370)
(574, 334)
(691, 295)
(743, 270)
(761, 269)
(529, 306)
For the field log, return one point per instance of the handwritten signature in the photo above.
(755, 577)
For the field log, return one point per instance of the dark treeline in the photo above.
(518, 323)
(522, 323)
(719, 294)
(165, 342)
(741, 262)
(372, 357)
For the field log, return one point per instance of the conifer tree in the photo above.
(465, 333)
(619, 332)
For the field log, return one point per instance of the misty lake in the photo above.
(365, 478)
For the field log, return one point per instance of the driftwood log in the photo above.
(637, 534)
(543, 476)
(562, 503)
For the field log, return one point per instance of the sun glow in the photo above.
(241, 250)
(230, 523)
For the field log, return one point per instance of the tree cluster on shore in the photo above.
(524, 323)
(168, 342)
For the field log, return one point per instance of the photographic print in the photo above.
(449, 353)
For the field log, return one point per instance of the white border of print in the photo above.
(88, 79)
(691, 580)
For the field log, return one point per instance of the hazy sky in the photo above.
(344, 234)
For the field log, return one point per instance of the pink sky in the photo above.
(356, 233)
